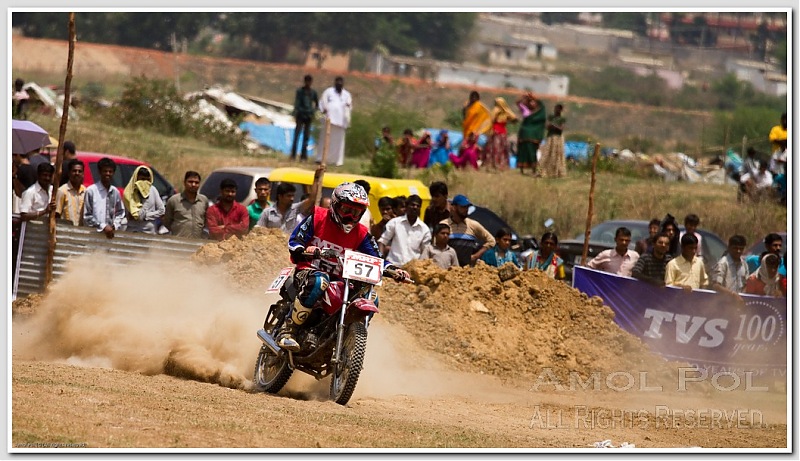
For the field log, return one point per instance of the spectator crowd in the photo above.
(445, 234)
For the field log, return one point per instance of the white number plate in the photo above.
(276, 285)
(361, 267)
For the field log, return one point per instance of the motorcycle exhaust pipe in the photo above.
(268, 341)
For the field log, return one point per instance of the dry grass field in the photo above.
(525, 203)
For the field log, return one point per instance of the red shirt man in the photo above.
(227, 217)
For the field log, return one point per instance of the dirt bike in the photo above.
(333, 339)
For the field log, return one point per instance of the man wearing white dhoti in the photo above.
(335, 104)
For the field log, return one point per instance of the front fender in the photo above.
(364, 305)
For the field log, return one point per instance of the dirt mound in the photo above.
(515, 328)
(249, 262)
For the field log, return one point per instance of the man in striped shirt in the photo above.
(652, 267)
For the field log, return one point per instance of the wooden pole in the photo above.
(316, 188)
(62, 131)
(591, 206)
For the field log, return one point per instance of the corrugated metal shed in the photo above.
(73, 241)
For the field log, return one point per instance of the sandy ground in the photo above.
(162, 358)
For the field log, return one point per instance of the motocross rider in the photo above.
(337, 228)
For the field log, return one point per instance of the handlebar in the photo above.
(391, 272)
(329, 253)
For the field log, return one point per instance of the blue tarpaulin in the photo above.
(702, 327)
(276, 137)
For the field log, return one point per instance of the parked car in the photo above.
(602, 238)
(125, 169)
(245, 178)
(492, 222)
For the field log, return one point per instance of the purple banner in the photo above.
(705, 328)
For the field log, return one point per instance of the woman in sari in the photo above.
(468, 153)
(531, 131)
(545, 258)
(553, 164)
(422, 151)
(142, 202)
(498, 143)
(441, 150)
(477, 118)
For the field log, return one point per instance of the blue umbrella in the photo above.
(27, 136)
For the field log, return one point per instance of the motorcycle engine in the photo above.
(310, 341)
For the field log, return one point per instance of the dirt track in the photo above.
(91, 367)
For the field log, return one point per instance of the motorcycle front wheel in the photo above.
(345, 375)
(271, 372)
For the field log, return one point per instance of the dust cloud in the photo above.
(150, 318)
(190, 321)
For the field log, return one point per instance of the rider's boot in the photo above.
(296, 317)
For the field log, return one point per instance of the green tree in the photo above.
(556, 17)
(779, 52)
(728, 128)
(635, 22)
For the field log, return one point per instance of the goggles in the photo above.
(350, 211)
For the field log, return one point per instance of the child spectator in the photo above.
(399, 205)
(690, 223)
(646, 245)
(500, 253)
(387, 213)
(439, 251)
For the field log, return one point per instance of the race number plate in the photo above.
(361, 267)
(276, 285)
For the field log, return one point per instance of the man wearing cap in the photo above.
(467, 236)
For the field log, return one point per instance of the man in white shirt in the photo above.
(335, 104)
(405, 236)
(102, 202)
(35, 200)
(619, 260)
(759, 182)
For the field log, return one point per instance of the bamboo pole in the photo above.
(316, 188)
(62, 131)
(591, 206)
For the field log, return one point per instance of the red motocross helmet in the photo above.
(349, 201)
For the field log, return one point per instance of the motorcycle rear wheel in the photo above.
(345, 375)
(271, 372)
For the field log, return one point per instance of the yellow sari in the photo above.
(477, 119)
